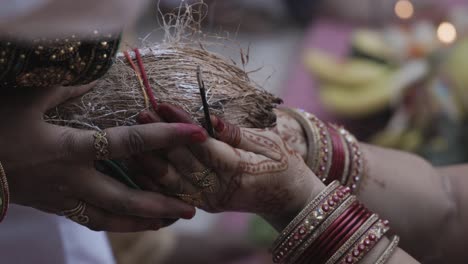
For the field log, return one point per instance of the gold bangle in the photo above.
(388, 252)
(324, 226)
(303, 214)
(310, 133)
(101, 145)
(365, 244)
(4, 193)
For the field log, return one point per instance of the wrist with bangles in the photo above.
(4, 193)
(332, 152)
(333, 228)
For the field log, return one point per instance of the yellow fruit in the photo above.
(348, 74)
(372, 97)
(371, 43)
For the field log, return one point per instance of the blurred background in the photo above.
(394, 72)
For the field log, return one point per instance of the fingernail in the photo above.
(198, 137)
(188, 215)
(143, 118)
(219, 125)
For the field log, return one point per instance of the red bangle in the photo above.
(334, 233)
(338, 240)
(338, 156)
(307, 225)
(312, 250)
(346, 234)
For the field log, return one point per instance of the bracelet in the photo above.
(357, 163)
(333, 229)
(306, 211)
(345, 235)
(315, 251)
(310, 218)
(366, 243)
(325, 151)
(310, 132)
(338, 157)
(324, 226)
(387, 254)
(4, 193)
(353, 239)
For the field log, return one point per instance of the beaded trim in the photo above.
(4, 193)
(324, 226)
(353, 239)
(306, 211)
(325, 150)
(310, 223)
(357, 162)
(366, 243)
(53, 62)
(310, 131)
(387, 254)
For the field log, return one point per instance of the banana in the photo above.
(349, 74)
(374, 96)
(372, 44)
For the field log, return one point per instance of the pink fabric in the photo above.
(301, 91)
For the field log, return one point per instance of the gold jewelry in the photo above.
(205, 180)
(388, 252)
(353, 239)
(77, 214)
(192, 199)
(324, 226)
(101, 145)
(306, 211)
(310, 132)
(4, 193)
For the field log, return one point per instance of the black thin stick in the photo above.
(206, 106)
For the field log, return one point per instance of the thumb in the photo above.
(54, 96)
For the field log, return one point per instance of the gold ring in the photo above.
(205, 180)
(77, 214)
(192, 199)
(101, 145)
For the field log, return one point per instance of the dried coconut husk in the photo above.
(118, 98)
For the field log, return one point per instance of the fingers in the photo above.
(54, 96)
(98, 219)
(263, 142)
(163, 175)
(114, 197)
(127, 141)
(174, 114)
(226, 132)
(148, 117)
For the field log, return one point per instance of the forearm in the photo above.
(416, 198)
(335, 225)
(399, 256)
(423, 203)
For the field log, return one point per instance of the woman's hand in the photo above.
(51, 168)
(256, 171)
